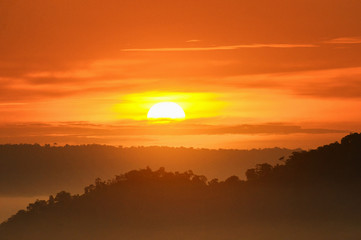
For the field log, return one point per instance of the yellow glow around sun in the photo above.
(166, 110)
(196, 104)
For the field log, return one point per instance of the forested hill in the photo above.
(313, 195)
(336, 163)
(24, 167)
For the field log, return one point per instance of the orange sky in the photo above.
(248, 74)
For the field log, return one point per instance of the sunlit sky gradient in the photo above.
(248, 74)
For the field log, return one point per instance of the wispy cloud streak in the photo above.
(218, 48)
(345, 40)
(84, 129)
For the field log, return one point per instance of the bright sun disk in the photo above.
(166, 110)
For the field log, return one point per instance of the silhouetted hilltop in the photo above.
(24, 167)
(313, 195)
(336, 163)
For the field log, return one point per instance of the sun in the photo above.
(166, 110)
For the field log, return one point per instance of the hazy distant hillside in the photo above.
(313, 195)
(32, 170)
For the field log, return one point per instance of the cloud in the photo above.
(112, 82)
(265, 129)
(193, 41)
(344, 40)
(83, 132)
(29, 35)
(12, 103)
(337, 83)
(217, 48)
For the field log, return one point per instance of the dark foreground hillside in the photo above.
(313, 195)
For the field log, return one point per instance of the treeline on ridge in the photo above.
(23, 167)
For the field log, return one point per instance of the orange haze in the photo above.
(247, 73)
